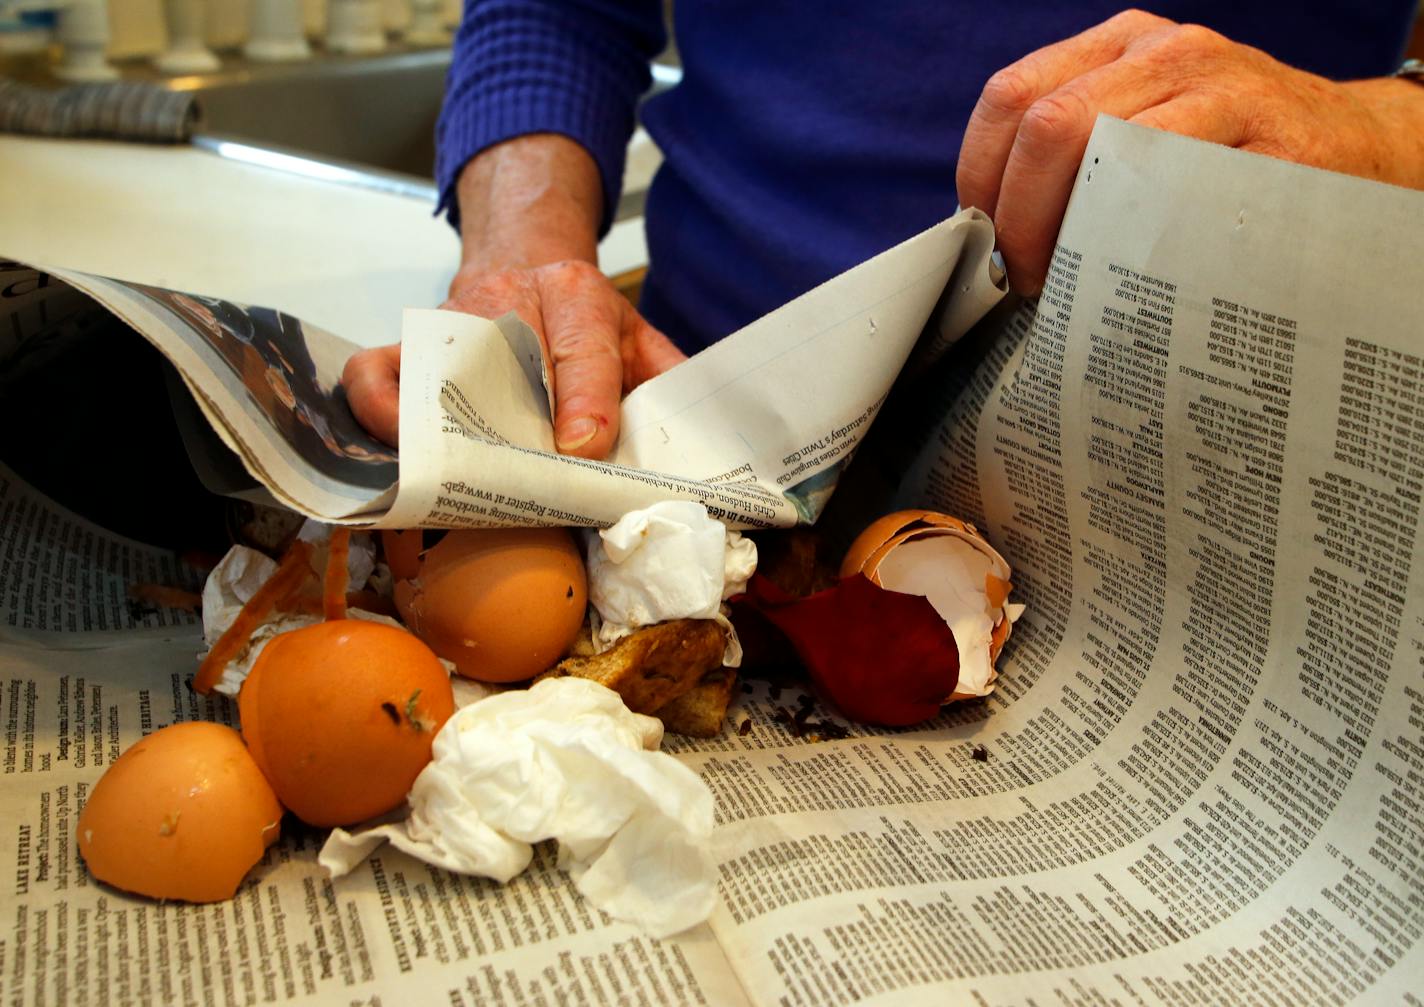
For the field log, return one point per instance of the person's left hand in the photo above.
(1029, 129)
(598, 348)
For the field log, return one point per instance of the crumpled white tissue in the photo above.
(564, 760)
(667, 561)
(236, 578)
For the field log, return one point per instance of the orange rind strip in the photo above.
(291, 572)
(402, 549)
(333, 595)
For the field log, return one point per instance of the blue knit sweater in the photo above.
(805, 137)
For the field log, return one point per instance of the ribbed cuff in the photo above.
(523, 66)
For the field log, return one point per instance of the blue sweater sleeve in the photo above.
(574, 67)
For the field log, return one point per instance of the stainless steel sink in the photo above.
(376, 111)
(362, 120)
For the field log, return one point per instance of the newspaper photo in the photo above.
(1198, 778)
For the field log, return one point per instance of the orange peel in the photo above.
(333, 596)
(293, 571)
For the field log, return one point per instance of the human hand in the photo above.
(1030, 127)
(597, 345)
(371, 379)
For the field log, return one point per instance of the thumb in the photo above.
(372, 382)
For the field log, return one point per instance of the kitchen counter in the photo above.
(340, 255)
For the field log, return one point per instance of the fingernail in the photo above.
(576, 434)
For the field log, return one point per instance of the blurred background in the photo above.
(352, 82)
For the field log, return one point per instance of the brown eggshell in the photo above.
(502, 604)
(883, 534)
(340, 716)
(183, 814)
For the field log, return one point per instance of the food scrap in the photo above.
(182, 814)
(316, 715)
(333, 593)
(294, 569)
(948, 561)
(341, 707)
(249, 599)
(882, 657)
(501, 604)
(346, 714)
(800, 724)
(185, 812)
(656, 665)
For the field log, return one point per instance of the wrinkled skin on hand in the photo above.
(1030, 127)
(598, 348)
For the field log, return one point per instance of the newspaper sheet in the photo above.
(1199, 778)
(757, 427)
(268, 384)
(1202, 453)
(64, 581)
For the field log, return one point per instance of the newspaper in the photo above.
(64, 581)
(756, 427)
(1199, 778)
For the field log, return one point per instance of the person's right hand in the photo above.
(597, 346)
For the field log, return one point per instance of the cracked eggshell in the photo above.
(953, 565)
(502, 604)
(183, 814)
(340, 717)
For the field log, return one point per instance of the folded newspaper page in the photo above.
(756, 427)
(268, 384)
(1199, 777)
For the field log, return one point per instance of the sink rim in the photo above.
(300, 162)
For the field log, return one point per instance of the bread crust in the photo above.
(670, 670)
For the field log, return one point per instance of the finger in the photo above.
(582, 325)
(646, 351)
(1043, 164)
(372, 382)
(1009, 94)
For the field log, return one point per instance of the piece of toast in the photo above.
(699, 712)
(656, 665)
